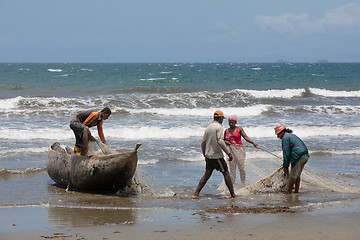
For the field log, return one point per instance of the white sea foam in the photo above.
(159, 133)
(28, 134)
(339, 152)
(136, 133)
(332, 109)
(9, 103)
(307, 131)
(55, 70)
(147, 161)
(193, 157)
(274, 93)
(24, 150)
(290, 93)
(332, 93)
(152, 79)
(175, 102)
(250, 111)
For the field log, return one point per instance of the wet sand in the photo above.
(337, 220)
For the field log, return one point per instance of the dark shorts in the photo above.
(78, 129)
(218, 164)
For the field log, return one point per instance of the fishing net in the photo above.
(276, 181)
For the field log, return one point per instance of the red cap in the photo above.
(279, 129)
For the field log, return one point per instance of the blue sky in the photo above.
(179, 31)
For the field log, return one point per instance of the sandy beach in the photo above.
(335, 220)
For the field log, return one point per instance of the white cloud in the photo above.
(345, 18)
(222, 26)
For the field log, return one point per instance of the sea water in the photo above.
(166, 107)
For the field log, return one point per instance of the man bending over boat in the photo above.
(81, 124)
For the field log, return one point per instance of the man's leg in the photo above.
(229, 183)
(291, 185)
(84, 149)
(297, 185)
(202, 183)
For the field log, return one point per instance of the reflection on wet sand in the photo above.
(86, 217)
(6, 173)
(72, 208)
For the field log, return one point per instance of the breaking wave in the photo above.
(153, 132)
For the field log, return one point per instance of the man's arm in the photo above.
(203, 145)
(100, 132)
(224, 148)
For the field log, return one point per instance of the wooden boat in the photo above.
(110, 172)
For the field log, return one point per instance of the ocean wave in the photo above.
(55, 70)
(28, 134)
(273, 93)
(24, 205)
(147, 161)
(21, 171)
(193, 96)
(162, 133)
(335, 93)
(138, 133)
(23, 150)
(336, 152)
(152, 79)
(291, 93)
(248, 111)
(168, 105)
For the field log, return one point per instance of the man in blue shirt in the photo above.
(295, 153)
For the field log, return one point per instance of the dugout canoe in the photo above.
(110, 172)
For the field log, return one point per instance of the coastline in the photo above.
(334, 220)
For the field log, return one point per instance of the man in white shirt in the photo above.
(212, 146)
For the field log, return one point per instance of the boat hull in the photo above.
(98, 173)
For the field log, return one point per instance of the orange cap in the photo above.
(279, 128)
(219, 113)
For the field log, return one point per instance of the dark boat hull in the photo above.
(99, 173)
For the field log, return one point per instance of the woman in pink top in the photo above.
(233, 140)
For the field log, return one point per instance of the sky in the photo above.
(179, 31)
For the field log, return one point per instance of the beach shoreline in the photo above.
(334, 220)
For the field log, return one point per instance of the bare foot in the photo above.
(195, 197)
(235, 196)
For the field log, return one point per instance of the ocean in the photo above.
(166, 107)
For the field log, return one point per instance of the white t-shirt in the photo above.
(212, 134)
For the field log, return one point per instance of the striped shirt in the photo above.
(293, 149)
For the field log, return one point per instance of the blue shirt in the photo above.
(293, 149)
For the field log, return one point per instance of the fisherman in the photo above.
(211, 146)
(294, 152)
(81, 124)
